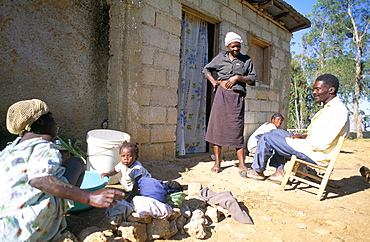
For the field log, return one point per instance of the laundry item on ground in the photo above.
(227, 201)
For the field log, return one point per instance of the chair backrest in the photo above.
(337, 148)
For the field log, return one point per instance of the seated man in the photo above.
(326, 127)
(276, 121)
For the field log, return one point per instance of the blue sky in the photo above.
(304, 7)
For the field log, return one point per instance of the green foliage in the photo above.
(73, 148)
(299, 115)
(337, 43)
(365, 120)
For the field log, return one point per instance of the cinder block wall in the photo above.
(160, 58)
(161, 31)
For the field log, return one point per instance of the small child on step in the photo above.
(131, 169)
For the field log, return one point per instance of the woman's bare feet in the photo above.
(242, 166)
(216, 168)
(217, 153)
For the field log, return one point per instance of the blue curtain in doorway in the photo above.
(191, 123)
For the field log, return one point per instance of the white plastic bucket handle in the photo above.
(113, 147)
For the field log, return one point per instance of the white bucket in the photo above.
(103, 151)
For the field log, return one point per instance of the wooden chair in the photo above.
(292, 171)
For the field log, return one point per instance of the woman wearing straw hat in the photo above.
(226, 122)
(36, 187)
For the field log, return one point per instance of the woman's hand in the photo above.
(212, 80)
(232, 81)
(238, 78)
(105, 198)
(216, 84)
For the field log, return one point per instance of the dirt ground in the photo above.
(291, 215)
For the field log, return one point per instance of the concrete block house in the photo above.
(135, 66)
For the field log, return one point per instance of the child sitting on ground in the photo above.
(135, 177)
(131, 169)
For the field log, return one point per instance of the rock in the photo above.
(98, 232)
(158, 228)
(185, 211)
(180, 223)
(196, 227)
(365, 172)
(105, 223)
(173, 230)
(194, 189)
(133, 232)
(301, 226)
(213, 214)
(105, 236)
(134, 217)
(176, 213)
(85, 232)
(221, 210)
(194, 204)
(119, 239)
(115, 220)
(67, 236)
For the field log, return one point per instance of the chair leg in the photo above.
(296, 167)
(324, 183)
(288, 171)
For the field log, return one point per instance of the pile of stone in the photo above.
(191, 219)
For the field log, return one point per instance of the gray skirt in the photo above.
(226, 122)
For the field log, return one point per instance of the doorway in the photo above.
(197, 49)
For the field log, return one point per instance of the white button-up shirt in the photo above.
(326, 127)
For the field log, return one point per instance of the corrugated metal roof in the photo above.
(281, 12)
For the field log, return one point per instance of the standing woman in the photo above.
(226, 122)
(36, 186)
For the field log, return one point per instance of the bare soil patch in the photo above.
(291, 215)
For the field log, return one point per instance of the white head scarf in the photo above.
(232, 37)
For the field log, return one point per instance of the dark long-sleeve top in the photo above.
(225, 68)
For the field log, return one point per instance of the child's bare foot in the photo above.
(216, 169)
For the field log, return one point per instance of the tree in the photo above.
(299, 115)
(365, 120)
(338, 43)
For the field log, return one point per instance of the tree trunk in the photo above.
(356, 117)
(357, 39)
(297, 119)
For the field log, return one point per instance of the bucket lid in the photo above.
(107, 135)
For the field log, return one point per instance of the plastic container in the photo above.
(91, 182)
(103, 151)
